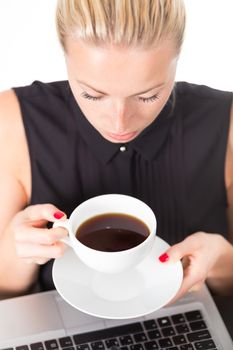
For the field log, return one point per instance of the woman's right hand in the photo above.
(34, 242)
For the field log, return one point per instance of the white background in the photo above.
(29, 48)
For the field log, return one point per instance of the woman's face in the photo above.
(120, 90)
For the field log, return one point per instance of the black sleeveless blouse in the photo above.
(176, 165)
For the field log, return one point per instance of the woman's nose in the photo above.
(120, 123)
(120, 118)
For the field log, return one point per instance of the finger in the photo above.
(39, 235)
(32, 251)
(46, 212)
(173, 254)
(179, 250)
(35, 261)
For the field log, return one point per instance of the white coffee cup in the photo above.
(110, 262)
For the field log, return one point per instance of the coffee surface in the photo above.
(112, 232)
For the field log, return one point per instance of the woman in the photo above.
(119, 125)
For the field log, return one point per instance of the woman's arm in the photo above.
(209, 257)
(25, 241)
(229, 177)
(220, 278)
(15, 275)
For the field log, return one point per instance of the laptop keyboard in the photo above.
(186, 331)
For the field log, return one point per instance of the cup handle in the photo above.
(64, 224)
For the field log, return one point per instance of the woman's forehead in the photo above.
(94, 64)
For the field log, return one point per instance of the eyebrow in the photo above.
(104, 93)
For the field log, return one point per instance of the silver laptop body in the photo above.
(40, 317)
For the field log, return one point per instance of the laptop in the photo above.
(44, 321)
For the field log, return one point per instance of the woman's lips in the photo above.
(122, 137)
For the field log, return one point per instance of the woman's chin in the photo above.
(120, 138)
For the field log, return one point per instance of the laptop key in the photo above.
(172, 348)
(178, 318)
(165, 342)
(182, 328)
(150, 324)
(83, 347)
(168, 331)
(136, 347)
(126, 340)
(51, 344)
(150, 345)
(192, 337)
(195, 326)
(37, 346)
(186, 347)
(65, 342)
(193, 315)
(179, 339)
(205, 345)
(140, 337)
(98, 345)
(154, 334)
(22, 347)
(164, 322)
(111, 342)
(107, 333)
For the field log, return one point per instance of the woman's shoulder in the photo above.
(194, 91)
(203, 105)
(14, 101)
(38, 88)
(10, 101)
(44, 105)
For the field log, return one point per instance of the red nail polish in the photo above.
(164, 257)
(58, 215)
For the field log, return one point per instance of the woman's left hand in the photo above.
(199, 253)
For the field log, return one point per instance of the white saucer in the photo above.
(134, 293)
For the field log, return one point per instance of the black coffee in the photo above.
(112, 232)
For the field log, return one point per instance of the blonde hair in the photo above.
(121, 22)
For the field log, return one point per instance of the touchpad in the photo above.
(29, 315)
(75, 320)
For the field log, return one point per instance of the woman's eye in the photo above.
(89, 97)
(143, 99)
(149, 99)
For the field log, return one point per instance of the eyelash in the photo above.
(143, 99)
(89, 97)
(149, 99)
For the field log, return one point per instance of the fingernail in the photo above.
(164, 257)
(58, 215)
